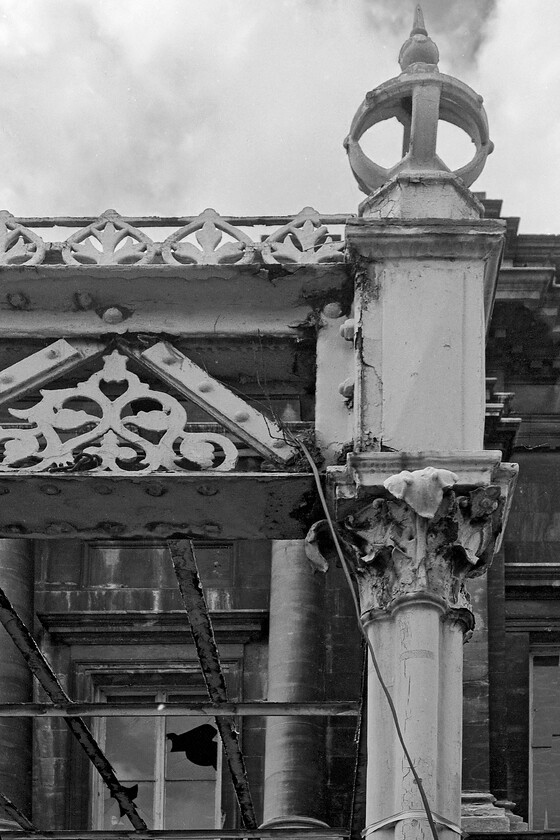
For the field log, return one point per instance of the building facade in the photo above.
(159, 379)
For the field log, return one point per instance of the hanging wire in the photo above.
(362, 629)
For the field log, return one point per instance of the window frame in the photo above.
(97, 799)
(536, 650)
(176, 671)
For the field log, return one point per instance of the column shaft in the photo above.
(420, 659)
(16, 681)
(294, 762)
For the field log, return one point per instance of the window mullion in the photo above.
(159, 788)
(218, 793)
(99, 730)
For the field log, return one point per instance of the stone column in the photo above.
(480, 812)
(16, 682)
(294, 758)
(412, 551)
(420, 503)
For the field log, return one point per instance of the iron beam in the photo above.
(13, 813)
(186, 834)
(149, 708)
(45, 675)
(186, 570)
(176, 221)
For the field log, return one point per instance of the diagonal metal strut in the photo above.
(186, 570)
(13, 813)
(41, 669)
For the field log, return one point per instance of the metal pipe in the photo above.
(186, 570)
(45, 675)
(151, 708)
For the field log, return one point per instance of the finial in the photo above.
(420, 97)
(418, 26)
(419, 48)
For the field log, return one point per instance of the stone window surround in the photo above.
(157, 670)
(159, 725)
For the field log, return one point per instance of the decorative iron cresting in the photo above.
(211, 246)
(207, 239)
(125, 428)
(304, 240)
(18, 244)
(109, 241)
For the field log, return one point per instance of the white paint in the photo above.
(261, 432)
(412, 197)
(333, 419)
(420, 658)
(420, 382)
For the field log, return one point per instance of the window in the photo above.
(545, 742)
(172, 764)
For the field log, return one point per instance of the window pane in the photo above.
(189, 805)
(128, 566)
(148, 566)
(144, 802)
(130, 746)
(192, 749)
(215, 564)
(545, 745)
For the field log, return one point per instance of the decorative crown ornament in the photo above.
(419, 98)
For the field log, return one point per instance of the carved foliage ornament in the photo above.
(109, 241)
(305, 240)
(215, 243)
(425, 538)
(207, 240)
(18, 244)
(112, 422)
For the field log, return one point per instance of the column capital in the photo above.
(419, 538)
(401, 555)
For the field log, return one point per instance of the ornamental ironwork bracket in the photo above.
(115, 422)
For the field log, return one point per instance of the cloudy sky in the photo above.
(169, 107)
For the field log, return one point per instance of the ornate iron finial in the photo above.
(419, 98)
(418, 26)
(419, 48)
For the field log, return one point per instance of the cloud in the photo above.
(163, 108)
(460, 27)
(519, 74)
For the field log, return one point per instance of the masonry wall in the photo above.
(110, 614)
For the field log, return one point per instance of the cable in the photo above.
(386, 691)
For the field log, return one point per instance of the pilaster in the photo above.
(294, 757)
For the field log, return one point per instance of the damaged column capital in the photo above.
(419, 505)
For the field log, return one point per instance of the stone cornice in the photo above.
(146, 627)
(431, 239)
(367, 471)
(528, 284)
(426, 238)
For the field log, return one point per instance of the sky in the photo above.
(169, 107)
